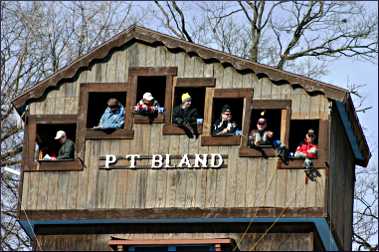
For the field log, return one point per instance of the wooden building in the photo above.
(252, 201)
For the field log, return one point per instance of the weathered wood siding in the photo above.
(340, 183)
(246, 182)
(99, 242)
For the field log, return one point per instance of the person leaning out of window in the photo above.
(225, 126)
(113, 116)
(185, 116)
(67, 149)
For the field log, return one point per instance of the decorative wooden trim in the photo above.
(29, 164)
(251, 152)
(157, 213)
(233, 93)
(271, 104)
(220, 140)
(140, 119)
(195, 82)
(153, 71)
(171, 129)
(83, 132)
(299, 164)
(56, 165)
(92, 134)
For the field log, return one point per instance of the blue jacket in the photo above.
(113, 120)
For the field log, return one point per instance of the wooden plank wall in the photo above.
(271, 242)
(247, 182)
(341, 183)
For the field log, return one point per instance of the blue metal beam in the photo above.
(321, 225)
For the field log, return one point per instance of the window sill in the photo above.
(56, 165)
(254, 152)
(171, 129)
(299, 164)
(220, 140)
(141, 119)
(116, 134)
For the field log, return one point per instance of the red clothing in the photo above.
(306, 149)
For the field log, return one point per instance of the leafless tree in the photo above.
(37, 39)
(284, 34)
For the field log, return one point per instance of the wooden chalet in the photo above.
(252, 201)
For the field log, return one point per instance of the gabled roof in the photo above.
(141, 34)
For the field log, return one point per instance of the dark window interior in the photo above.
(97, 103)
(156, 85)
(298, 129)
(236, 105)
(273, 117)
(46, 133)
(197, 94)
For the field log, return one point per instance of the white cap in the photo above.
(60, 134)
(147, 96)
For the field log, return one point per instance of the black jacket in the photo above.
(218, 127)
(181, 116)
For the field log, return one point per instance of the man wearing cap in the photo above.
(224, 126)
(308, 151)
(261, 136)
(185, 116)
(67, 149)
(147, 105)
(113, 116)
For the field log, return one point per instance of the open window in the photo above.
(298, 129)
(97, 102)
(196, 87)
(277, 114)
(157, 81)
(222, 244)
(41, 149)
(239, 100)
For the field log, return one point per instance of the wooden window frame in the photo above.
(134, 73)
(122, 245)
(323, 149)
(218, 93)
(171, 129)
(285, 107)
(31, 165)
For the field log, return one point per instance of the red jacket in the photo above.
(306, 149)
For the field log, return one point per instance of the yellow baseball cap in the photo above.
(185, 97)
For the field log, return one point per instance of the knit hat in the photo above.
(186, 97)
(226, 108)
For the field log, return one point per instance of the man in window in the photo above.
(147, 105)
(67, 149)
(262, 137)
(113, 116)
(307, 150)
(185, 116)
(224, 126)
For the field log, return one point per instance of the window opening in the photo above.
(46, 146)
(273, 118)
(97, 103)
(236, 107)
(197, 95)
(298, 129)
(156, 85)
